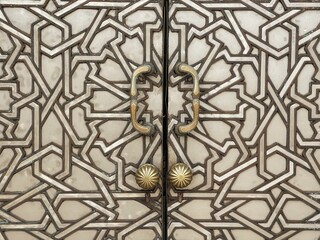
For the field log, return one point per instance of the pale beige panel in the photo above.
(255, 152)
(68, 151)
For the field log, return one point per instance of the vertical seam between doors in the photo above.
(165, 81)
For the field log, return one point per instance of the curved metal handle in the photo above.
(182, 129)
(147, 129)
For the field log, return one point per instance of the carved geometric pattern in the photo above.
(68, 152)
(255, 154)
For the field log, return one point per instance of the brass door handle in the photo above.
(147, 129)
(147, 176)
(182, 129)
(180, 175)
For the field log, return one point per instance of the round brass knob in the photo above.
(147, 176)
(180, 175)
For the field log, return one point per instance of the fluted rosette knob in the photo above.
(180, 175)
(147, 176)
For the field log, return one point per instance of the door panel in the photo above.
(255, 152)
(68, 152)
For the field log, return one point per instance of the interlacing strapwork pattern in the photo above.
(68, 152)
(255, 154)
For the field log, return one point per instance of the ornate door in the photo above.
(68, 150)
(255, 152)
(215, 103)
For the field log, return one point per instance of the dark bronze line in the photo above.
(165, 81)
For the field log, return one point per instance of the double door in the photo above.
(75, 129)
